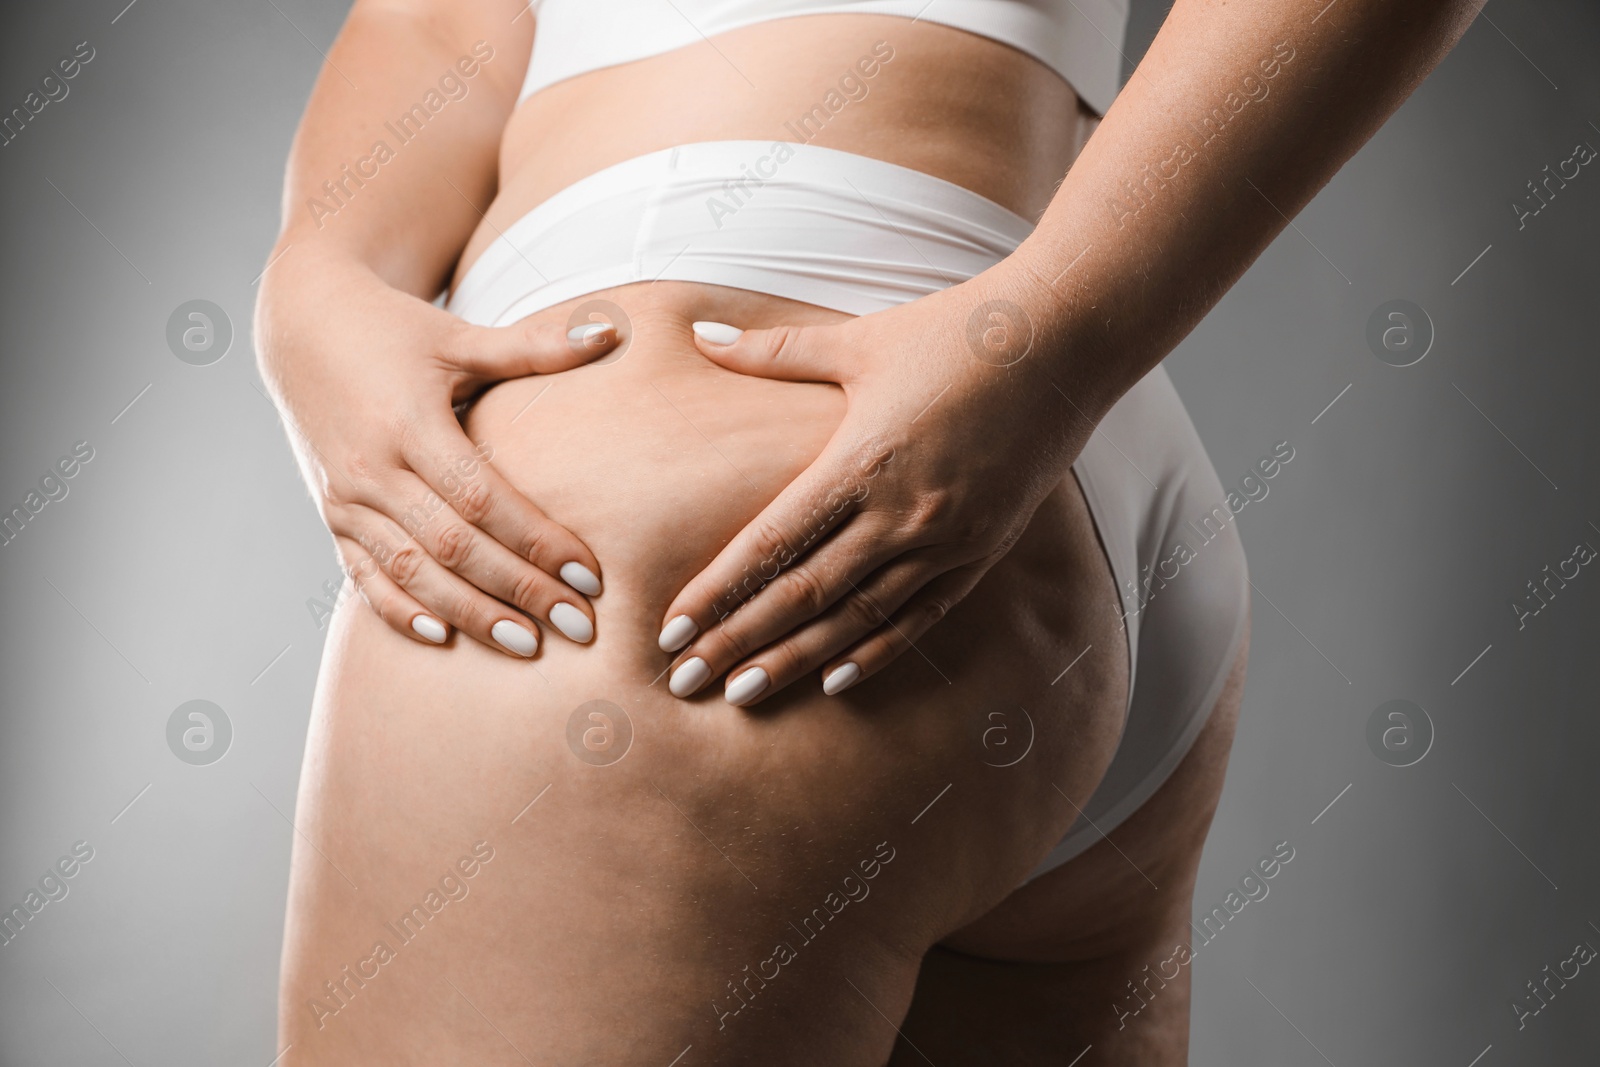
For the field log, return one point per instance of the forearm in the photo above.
(1237, 116)
(397, 150)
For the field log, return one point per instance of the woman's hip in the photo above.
(629, 827)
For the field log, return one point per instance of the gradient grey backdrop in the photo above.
(1386, 558)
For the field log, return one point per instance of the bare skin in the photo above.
(648, 885)
(619, 906)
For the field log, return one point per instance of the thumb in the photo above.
(788, 353)
(495, 353)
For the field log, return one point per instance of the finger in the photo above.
(805, 513)
(391, 603)
(903, 630)
(828, 577)
(863, 610)
(472, 555)
(460, 473)
(495, 353)
(788, 353)
(445, 595)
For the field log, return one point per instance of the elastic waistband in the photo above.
(798, 221)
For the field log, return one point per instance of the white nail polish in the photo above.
(676, 634)
(580, 578)
(514, 638)
(429, 629)
(841, 678)
(718, 333)
(573, 623)
(580, 335)
(745, 688)
(690, 675)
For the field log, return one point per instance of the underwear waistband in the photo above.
(816, 225)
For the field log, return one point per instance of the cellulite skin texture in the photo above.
(639, 889)
(695, 892)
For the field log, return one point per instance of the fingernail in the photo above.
(841, 678)
(745, 688)
(690, 675)
(573, 623)
(580, 578)
(581, 335)
(429, 629)
(717, 333)
(677, 633)
(514, 638)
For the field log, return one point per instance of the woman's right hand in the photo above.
(365, 377)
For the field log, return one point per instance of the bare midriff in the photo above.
(620, 899)
(939, 100)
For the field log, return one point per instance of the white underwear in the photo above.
(858, 235)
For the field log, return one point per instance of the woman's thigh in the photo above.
(1080, 961)
(476, 879)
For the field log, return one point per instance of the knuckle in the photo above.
(861, 613)
(473, 501)
(936, 609)
(806, 591)
(333, 497)
(469, 613)
(454, 546)
(732, 644)
(972, 532)
(933, 509)
(387, 608)
(785, 661)
(353, 480)
(784, 341)
(359, 469)
(527, 589)
(773, 547)
(376, 548)
(534, 543)
(405, 563)
(336, 515)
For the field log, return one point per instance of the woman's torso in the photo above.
(656, 461)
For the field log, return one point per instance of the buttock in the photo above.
(659, 459)
(657, 877)
(810, 231)
(1182, 585)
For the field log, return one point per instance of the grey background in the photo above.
(1386, 558)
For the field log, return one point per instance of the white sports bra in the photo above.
(1079, 39)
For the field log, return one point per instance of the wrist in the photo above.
(1090, 352)
(300, 296)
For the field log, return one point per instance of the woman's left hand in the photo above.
(954, 433)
